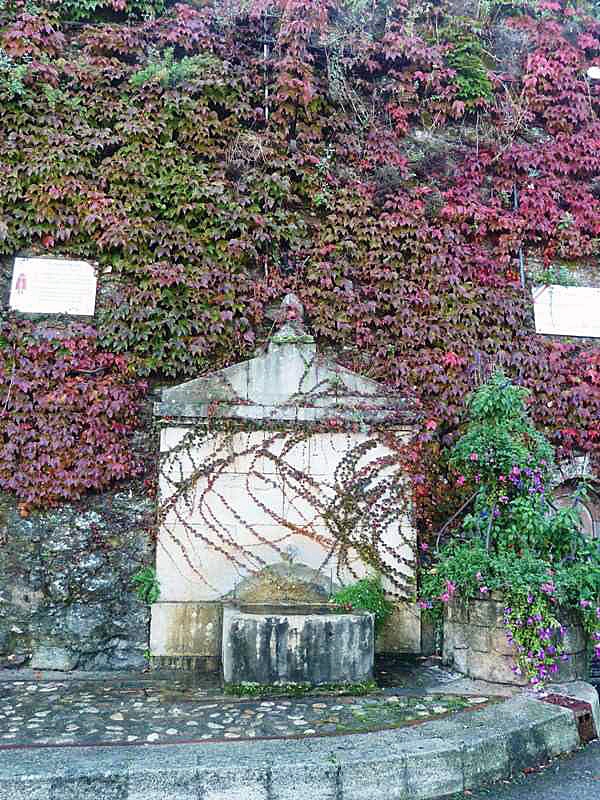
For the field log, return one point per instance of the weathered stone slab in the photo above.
(186, 629)
(66, 597)
(276, 644)
(402, 631)
(488, 613)
(54, 658)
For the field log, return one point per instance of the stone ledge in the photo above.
(426, 761)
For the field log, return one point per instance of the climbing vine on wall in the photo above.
(353, 515)
(66, 412)
(214, 158)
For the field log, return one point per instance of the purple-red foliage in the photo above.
(206, 211)
(67, 410)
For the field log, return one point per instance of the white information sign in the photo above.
(567, 310)
(53, 286)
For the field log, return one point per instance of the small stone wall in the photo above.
(66, 600)
(475, 644)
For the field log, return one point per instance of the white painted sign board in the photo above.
(53, 286)
(567, 310)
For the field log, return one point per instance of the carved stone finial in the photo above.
(292, 309)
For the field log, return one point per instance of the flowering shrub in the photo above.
(513, 540)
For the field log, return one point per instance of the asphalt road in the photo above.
(575, 777)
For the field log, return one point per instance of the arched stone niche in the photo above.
(568, 476)
(246, 507)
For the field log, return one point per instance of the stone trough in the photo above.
(302, 643)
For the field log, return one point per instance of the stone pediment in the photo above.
(289, 382)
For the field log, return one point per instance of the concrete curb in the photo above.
(463, 751)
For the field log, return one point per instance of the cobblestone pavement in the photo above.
(36, 712)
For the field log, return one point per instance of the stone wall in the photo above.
(65, 584)
(475, 644)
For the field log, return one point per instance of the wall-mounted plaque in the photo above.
(567, 310)
(53, 286)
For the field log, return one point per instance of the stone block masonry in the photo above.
(475, 644)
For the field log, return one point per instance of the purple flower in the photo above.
(530, 598)
(484, 590)
(548, 588)
(585, 603)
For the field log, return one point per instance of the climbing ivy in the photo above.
(67, 410)
(215, 157)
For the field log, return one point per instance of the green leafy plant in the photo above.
(513, 541)
(12, 75)
(146, 585)
(466, 58)
(94, 9)
(248, 689)
(366, 594)
(164, 69)
(557, 275)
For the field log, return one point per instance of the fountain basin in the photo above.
(270, 643)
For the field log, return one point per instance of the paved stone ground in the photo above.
(42, 710)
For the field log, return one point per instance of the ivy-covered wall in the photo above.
(385, 161)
